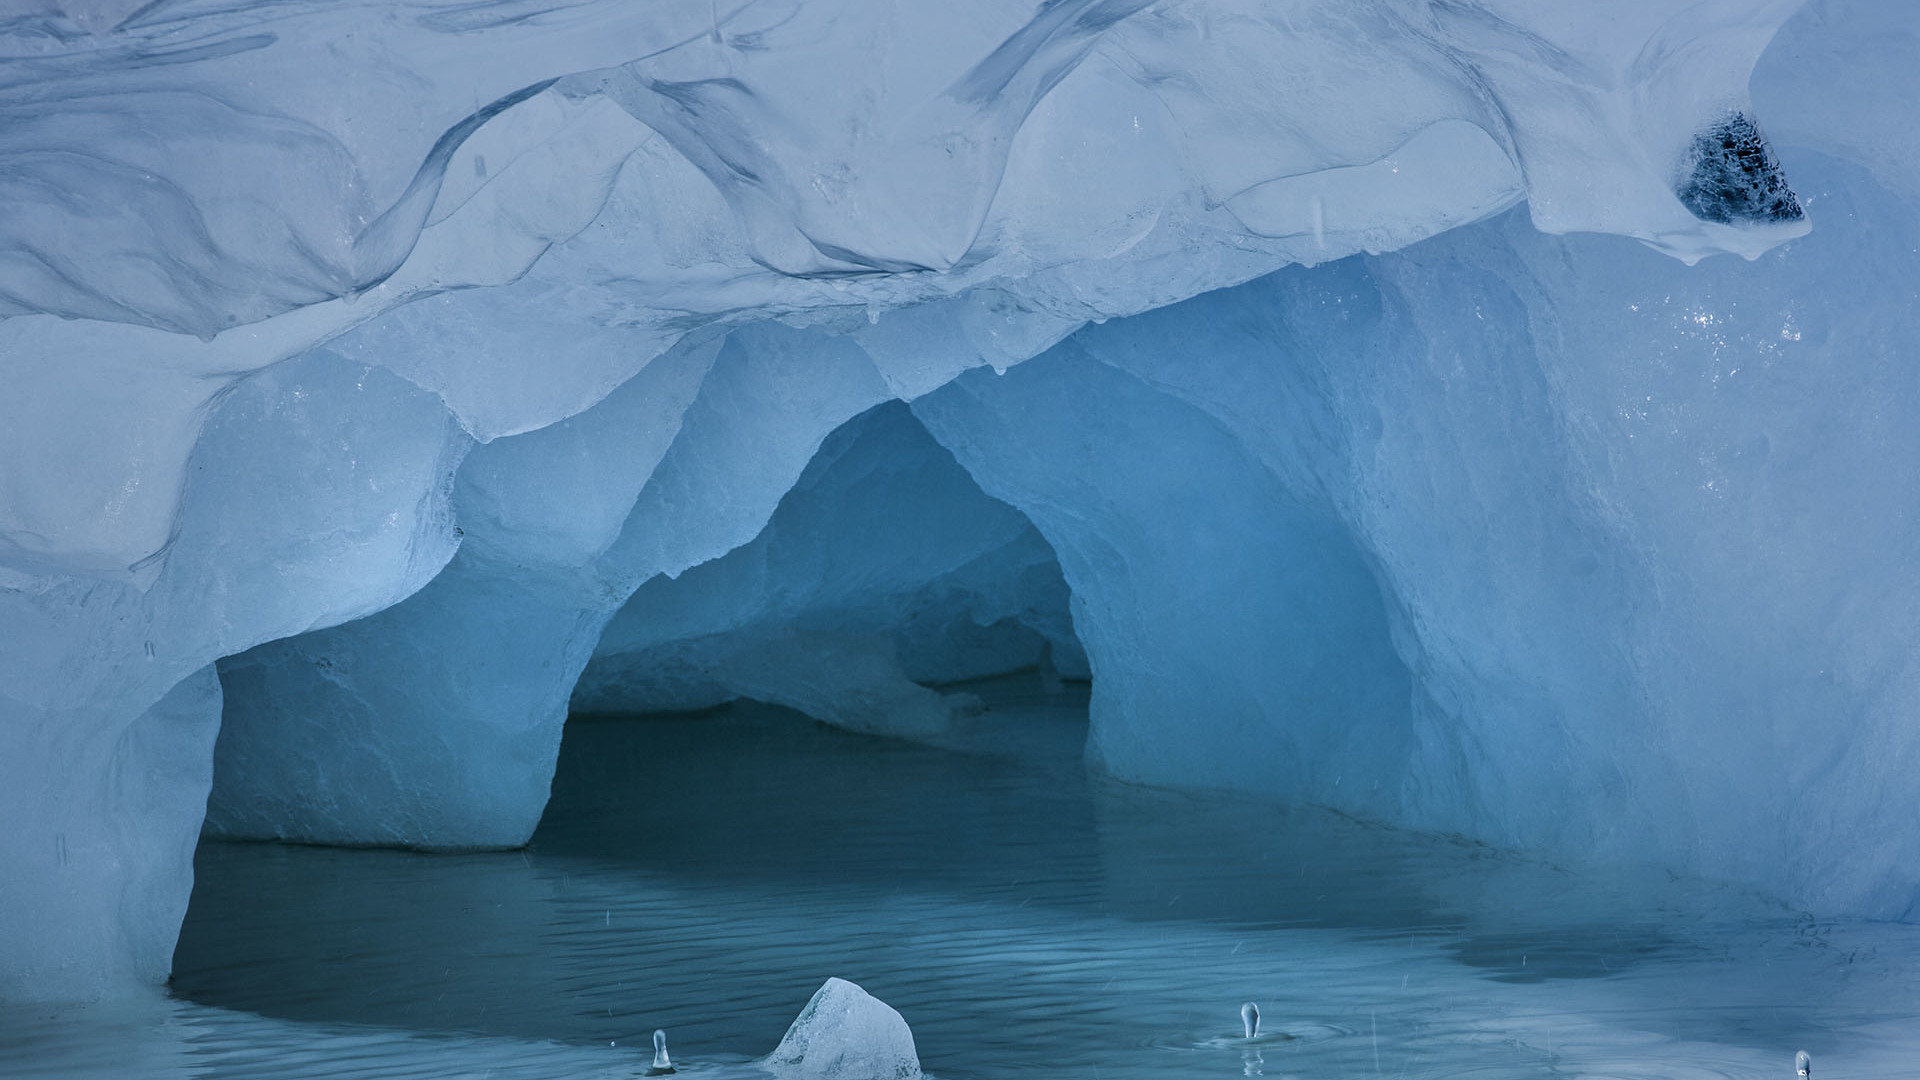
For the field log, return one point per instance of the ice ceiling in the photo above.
(374, 370)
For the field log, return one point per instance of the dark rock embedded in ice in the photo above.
(1732, 176)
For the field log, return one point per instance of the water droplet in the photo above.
(662, 1064)
(1250, 1019)
(1803, 1065)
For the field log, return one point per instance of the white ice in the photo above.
(845, 1033)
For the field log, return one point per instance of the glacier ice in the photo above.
(1087, 157)
(382, 731)
(334, 477)
(845, 1033)
(404, 380)
(883, 569)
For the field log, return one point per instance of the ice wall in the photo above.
(1534, 539)
(1235, 633)
(268, 271)
(884, 567)
(436, 722)
(332, 478)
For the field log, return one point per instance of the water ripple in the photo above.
(1024, 920)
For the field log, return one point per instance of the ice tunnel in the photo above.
(1480, 418)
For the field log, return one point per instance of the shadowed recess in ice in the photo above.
(201, 191)
(883, 569)
(1522, 531)
(434, 723)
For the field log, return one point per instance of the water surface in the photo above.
(704, 874)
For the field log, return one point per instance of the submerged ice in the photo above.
(1314, 377)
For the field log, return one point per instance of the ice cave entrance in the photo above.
(887, 595)
(708, 856)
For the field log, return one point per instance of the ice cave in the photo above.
(870, 539)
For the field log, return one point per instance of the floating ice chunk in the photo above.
(845, 1033)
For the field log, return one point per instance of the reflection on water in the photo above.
(705, 874)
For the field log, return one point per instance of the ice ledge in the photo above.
(703, 168)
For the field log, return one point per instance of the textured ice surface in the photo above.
(333, 477)
(200, 191)
(347, 735)
(1548, 541)
(1205, 586)
(883, 568)
(387, 731)
(845, 1033)
(1548, 547)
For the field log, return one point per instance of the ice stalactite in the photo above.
(1209, 596)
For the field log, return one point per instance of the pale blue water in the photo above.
(704, 875)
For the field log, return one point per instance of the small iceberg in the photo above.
(845, 1033)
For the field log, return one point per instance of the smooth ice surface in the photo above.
(845, 1033)
(434, 722)
(202, 192)
(387, 731)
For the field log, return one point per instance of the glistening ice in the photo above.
(1483, 419)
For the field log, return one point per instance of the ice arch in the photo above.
(1626, 577)
(335, 477)
(884, 570)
